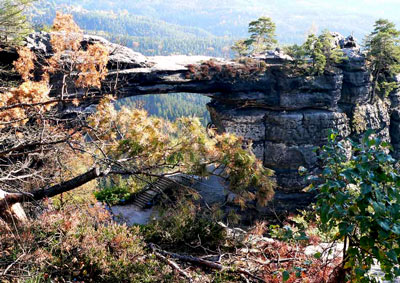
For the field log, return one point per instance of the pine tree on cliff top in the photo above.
(383, 55)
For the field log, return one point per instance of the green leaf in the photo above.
(317, 255)
(384, 225)
(325, 213)
(396, 229)
(345, 228)
(365, 189)
(392, 255)
(366, 242)
(285, 276)
(378, 207)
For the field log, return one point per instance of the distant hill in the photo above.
(209, 27)
(230, 17)
(171, 106)
(141, 33)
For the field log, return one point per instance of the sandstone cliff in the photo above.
(287, 116)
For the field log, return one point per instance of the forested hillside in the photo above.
(202, 28)
(230, 17)
(171, 106)
(141, 33)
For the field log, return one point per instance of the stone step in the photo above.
(143, 198)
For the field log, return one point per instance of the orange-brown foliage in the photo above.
(67, 35)
(92, 66)
(30, 95)
(245, 69)
(25, 63)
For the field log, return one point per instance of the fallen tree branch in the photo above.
(266, 262)
(205, 263)
(13, 263)
(171, 263)
(13, 198)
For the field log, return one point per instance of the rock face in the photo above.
(290, 118)
(120, 56)
(287, 116)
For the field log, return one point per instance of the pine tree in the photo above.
(241, 47)
(262, 36)
(332, 52)
(383, 55)
(298, 54)
(13, 22)
(322, 51)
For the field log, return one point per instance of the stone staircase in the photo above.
(144, 198)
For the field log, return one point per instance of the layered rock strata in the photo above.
(287, 116)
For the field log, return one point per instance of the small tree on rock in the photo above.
(241, 47)
(262, 36)
(322, 51)
(383, 55)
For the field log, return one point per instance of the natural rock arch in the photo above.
(285, 115)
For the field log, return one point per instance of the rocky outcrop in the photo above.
(120, 56)
(287, 116)
(394, 129)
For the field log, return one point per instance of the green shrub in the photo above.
(360, 196)
(184, 226)
(113, 195)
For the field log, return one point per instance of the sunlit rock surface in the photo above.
(287, 116)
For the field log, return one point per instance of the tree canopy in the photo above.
(13, 22)
(262, 38)
(383, 54)
(262, 34)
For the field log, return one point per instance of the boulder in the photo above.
(276, 56)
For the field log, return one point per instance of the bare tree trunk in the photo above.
(12, 211)
(10, 202)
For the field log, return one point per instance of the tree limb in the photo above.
(171, 263)
(12, 198)
(205, 263)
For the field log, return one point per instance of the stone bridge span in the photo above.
(286, 115)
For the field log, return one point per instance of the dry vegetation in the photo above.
(82, 243)
(245, 68)
(52, 228)
(51, 165)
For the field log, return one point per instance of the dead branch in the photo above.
(13, 198)
(205, 263)
(171, 263)
(13, 263)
